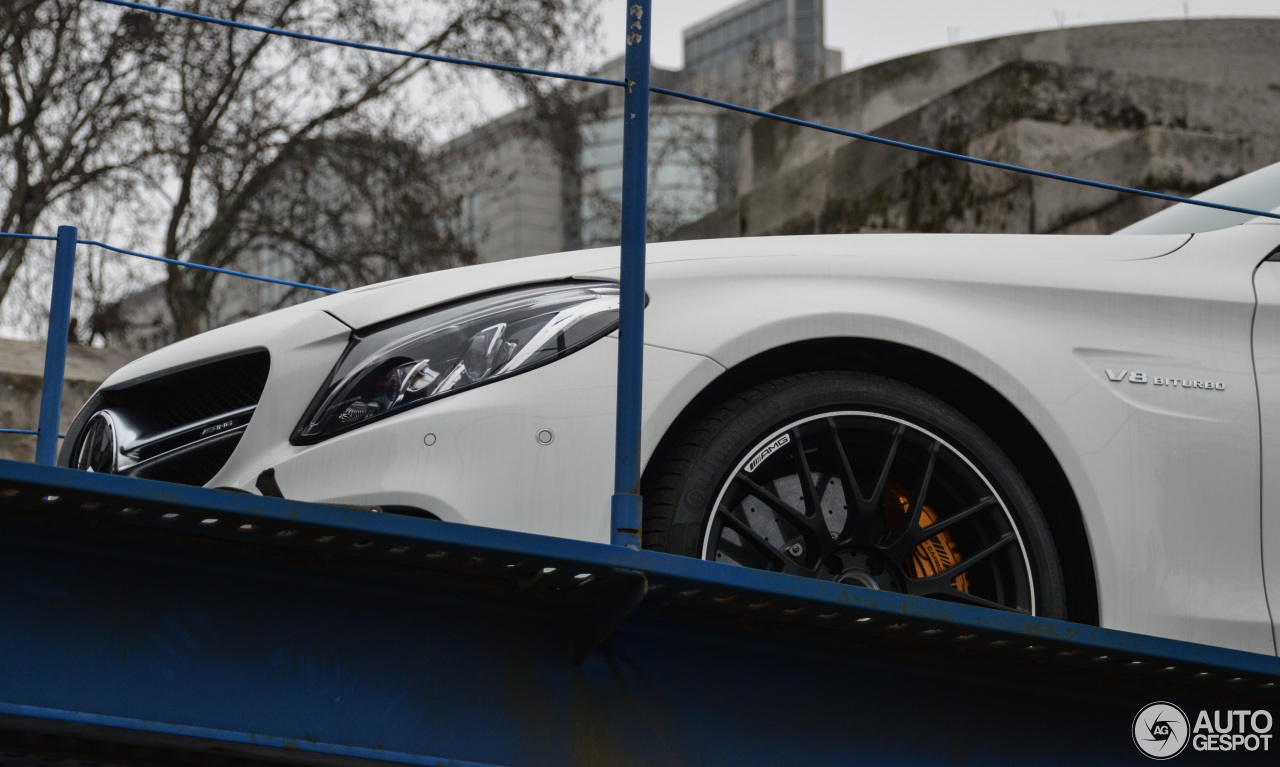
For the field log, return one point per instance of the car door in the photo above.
(1266, 352)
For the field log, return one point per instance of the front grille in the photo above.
(197, 393)
(180, 425)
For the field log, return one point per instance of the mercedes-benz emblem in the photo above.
(97, 450)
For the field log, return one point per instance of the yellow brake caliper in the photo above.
(935, 554)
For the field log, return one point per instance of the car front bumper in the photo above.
(532, 453)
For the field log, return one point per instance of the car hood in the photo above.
(329, 320)
(376, 303)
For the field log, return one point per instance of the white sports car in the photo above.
(1079, 427)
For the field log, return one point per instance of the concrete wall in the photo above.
(21, 373)
(1227, 52)
(1170, 106)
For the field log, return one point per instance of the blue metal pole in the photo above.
(55, 348)
(627, 504)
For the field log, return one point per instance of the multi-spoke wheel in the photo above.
(860, 480)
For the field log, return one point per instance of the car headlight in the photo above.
(416, 359)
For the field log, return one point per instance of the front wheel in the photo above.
(861, 480)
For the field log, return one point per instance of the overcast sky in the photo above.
(873, 30)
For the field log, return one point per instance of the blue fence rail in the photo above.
(627, 503)
(627, 506)
(55, 346)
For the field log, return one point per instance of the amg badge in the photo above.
(217, 427)
(767, 451)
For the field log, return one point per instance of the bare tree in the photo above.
(354, 209)
(241, 107)
(75, 111)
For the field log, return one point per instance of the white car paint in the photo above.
(1167, 478)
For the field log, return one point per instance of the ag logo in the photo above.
(1160, 730)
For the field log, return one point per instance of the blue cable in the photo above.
(27, 431)
(365, 46)
(114, 249)
(16, 236)
(206, 268)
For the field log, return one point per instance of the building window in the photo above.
(469, 222)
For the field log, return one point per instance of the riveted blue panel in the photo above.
(147, 614)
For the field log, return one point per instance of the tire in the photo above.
(905, 494)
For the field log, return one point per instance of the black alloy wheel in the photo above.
(861, 480)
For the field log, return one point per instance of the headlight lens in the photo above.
(417, 359)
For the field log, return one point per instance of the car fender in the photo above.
(1146, 463)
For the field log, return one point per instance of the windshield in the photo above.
(1259, 190)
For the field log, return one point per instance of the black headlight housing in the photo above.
(416, 359)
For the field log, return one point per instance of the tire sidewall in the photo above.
(765, 409)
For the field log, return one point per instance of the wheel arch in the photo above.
(970, 395)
